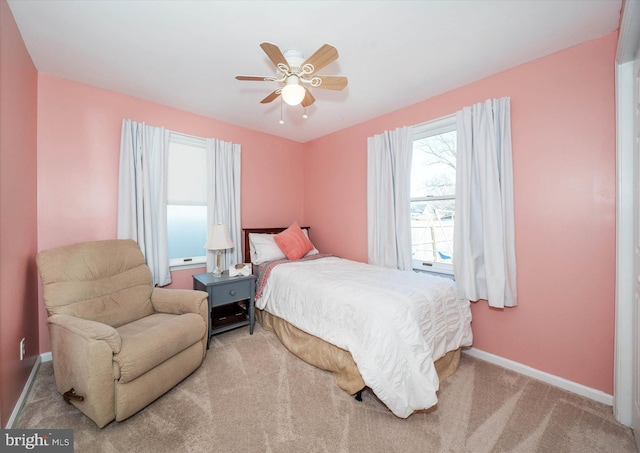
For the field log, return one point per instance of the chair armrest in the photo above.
(83, 361)
(182, 301)
(87, 330)
(179, 301)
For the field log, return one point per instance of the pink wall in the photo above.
(18, 277)
(563, 132)
(563, 127)
(78, 157)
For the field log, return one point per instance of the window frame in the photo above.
(191, 262)
(420, 131)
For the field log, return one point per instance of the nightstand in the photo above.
(225, 292)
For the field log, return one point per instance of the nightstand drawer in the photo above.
(223, 294)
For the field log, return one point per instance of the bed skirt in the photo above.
(327, 356)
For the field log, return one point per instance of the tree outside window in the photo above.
(433, 186)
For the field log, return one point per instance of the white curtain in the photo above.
(388, 198)
(142, 194)
(223, 200)
(484, 239)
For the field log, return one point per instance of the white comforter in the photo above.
(394, 323)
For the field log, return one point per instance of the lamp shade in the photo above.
(293, 93)
(218, 238)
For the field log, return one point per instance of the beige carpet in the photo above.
(252, 395)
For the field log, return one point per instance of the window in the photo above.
(186, 200)
(433, 194)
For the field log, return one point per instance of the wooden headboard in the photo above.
(247, 231)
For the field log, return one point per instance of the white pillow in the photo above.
(314, 250)
(263, 248)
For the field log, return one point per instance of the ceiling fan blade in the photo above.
(308, 98)
(330, 82)
(273, 95)
(256, 78)
(275, 54)
(322, 57)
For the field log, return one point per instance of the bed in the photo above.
(397, 333)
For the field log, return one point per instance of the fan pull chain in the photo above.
(304, 115)
(281, 120)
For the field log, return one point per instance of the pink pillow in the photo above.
(293, 242)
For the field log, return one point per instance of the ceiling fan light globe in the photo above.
(293, 94)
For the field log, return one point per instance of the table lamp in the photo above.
(217, 240)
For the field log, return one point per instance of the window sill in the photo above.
(438, 273)
(180, 265)
(442, 269)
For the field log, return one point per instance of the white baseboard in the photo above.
(46, 357)
(25, 393)
(556, 381)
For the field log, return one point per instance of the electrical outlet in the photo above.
(22, 349)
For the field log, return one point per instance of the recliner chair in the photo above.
(117, 342)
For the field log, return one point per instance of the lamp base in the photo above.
(217, 272)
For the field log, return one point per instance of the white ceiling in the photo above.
(185, 54)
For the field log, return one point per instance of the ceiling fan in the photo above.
(296, 72)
